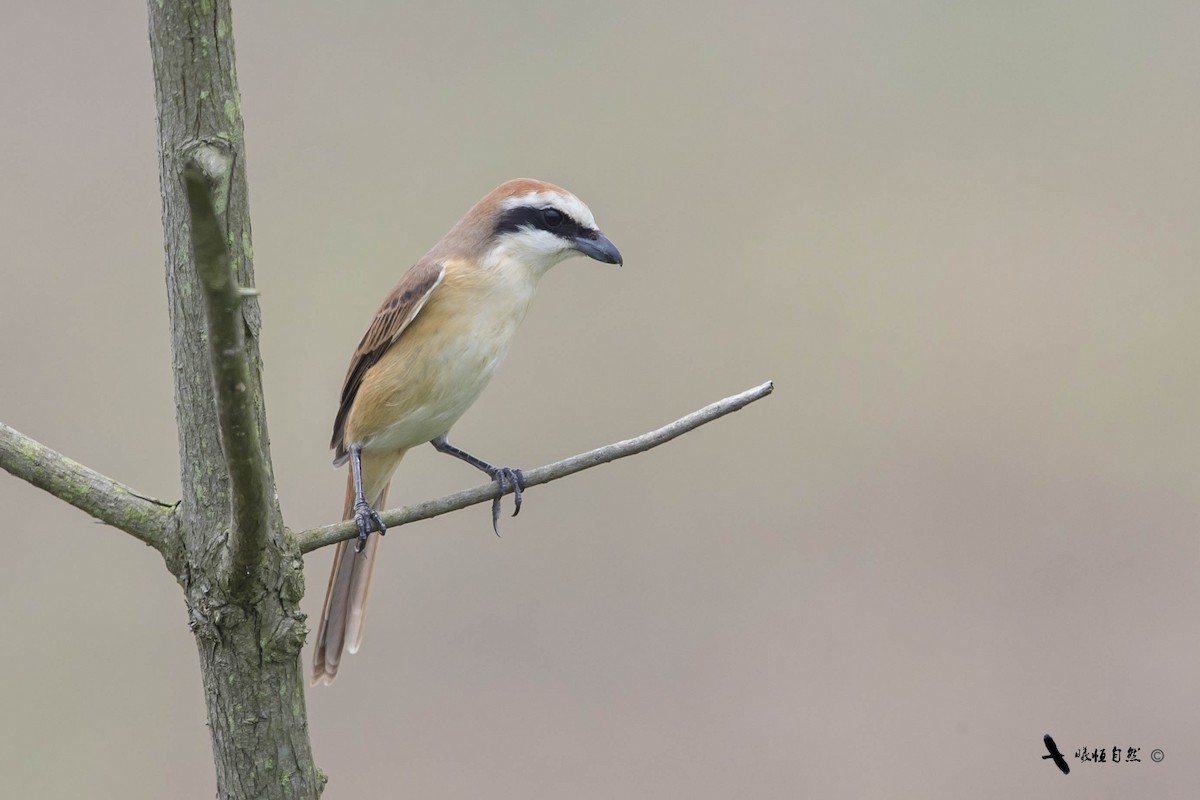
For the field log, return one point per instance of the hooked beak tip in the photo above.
(600, 248)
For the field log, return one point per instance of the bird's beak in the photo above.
(595, 244)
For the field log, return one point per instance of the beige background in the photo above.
(961, 237)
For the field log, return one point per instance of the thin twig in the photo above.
(140, 516)
(315, 538)
(206, 175)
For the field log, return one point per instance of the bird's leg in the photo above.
(364, 516)
(504, 477)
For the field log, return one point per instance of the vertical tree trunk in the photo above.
(249, 631)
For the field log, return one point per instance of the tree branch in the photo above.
(114, 503)
(315, 538)
(240, 575)
(206, 174)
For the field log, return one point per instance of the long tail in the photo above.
(345, 610)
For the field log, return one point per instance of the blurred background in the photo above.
(961, 238)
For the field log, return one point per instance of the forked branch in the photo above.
(315, 538)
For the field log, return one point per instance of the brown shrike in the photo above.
(431, 349)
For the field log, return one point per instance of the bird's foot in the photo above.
(367, 520)
(507, 479)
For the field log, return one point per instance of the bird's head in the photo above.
(538, 225)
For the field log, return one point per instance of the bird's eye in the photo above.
(552, 217)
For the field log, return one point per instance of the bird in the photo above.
(1055, 755)
(429, 352)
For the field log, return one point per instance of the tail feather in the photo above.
(344, 613)
(360, 586)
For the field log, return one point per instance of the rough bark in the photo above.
(243, 606)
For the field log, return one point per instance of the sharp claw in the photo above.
(518, 485)
(506, 478)
(496, 503)
(367, 519)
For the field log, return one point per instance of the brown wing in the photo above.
(398, 310)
